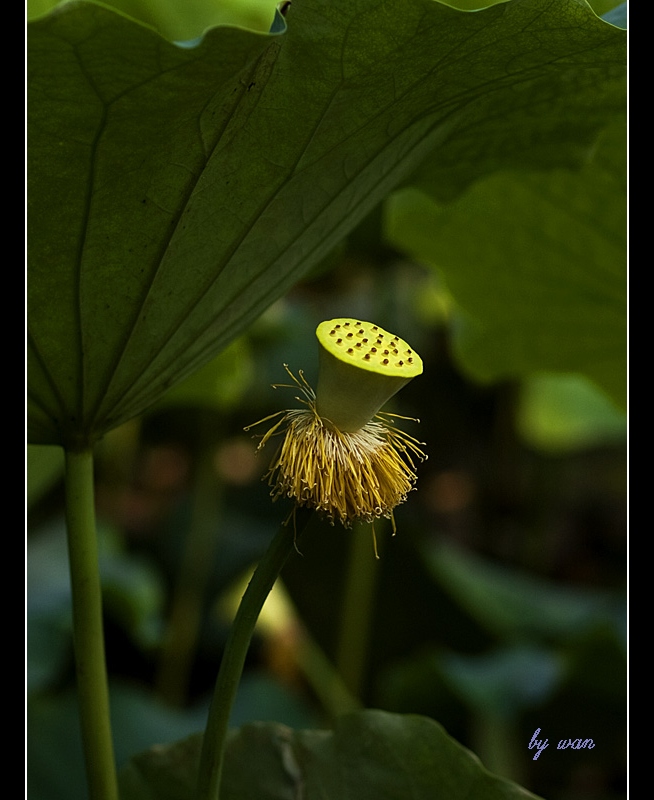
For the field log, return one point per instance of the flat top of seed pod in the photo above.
(369, 347)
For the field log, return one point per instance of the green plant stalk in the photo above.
(88, 635)
(497, 743)
(238, 643)
(185, 620)
(357, 608)
(324, 679)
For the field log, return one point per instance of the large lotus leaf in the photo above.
(370, 755)
(176, 192)
(537, 261)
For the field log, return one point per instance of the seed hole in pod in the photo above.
(373, 349)
(400, 363)
(409, 360)
(350, 335)
(350, 350)
(338, 341)
(367, 357)
(365, 341)
(385, 352)
(347, 324)
(385, 361)
(358, 344)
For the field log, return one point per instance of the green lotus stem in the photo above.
(180, 641)
(238, 643)
(337, 456)
(357, 609)
(88, 635)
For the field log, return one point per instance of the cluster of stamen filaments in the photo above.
(347, 476)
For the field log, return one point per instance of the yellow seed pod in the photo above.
(361, 367)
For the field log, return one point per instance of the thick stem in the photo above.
(92, 687)
(357, 608)
(185, 619)
(238, 642)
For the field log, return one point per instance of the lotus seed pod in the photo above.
(361, 367)
(338, 454)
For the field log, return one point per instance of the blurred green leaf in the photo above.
(54, 747)
(174, 193)
(537, 263)
(133, 595)
(183, 21)
(563, 413)
(188, 20)
(491, 690)
(597, 667)
(55, 767)
(49, 643)
(263, 698)
(505, 681)
(45, 466)
(501, 682)
(132, 592)
(140, 721)
(370, 755)
(221, 384)
(49, 619)
(516, 605)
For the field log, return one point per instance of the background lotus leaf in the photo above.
(369, 755)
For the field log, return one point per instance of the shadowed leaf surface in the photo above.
(370, 755)
(174, 193)
(537, 261)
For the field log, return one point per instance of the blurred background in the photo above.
(497, 609)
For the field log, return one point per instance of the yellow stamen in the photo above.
(346, 475)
